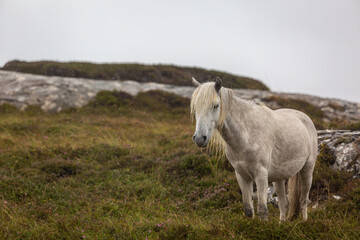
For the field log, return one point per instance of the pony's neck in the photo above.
(234, 130)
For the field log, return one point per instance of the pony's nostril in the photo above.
(204, 138)
(194, 136)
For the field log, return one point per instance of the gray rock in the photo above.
(346, 146)
(337, 197)
(271, 199)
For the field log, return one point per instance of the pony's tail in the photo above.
(294, 188)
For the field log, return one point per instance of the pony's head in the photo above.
(209, 103)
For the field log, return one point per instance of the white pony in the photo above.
(261, 144)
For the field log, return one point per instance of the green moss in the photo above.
(167, 74)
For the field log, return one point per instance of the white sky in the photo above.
(304, 46)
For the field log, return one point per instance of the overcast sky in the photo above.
(304, 46)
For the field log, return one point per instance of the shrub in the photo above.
(326, 154)
(159, 100)
(327, 180)
(154, 101)
(111, 99)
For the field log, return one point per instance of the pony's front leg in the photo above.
(246, 186)
(261, 181)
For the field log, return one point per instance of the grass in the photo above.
(122, 168)
(168, 74)
(354, 126)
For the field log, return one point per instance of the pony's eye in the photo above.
(216, 106)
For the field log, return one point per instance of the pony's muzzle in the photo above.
(201, 141)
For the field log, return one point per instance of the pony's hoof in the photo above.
(263, 218)
(263, 213)
(249, 212)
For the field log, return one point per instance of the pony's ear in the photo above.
(218, 84)
(196, 83)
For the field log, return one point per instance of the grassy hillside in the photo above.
(142, 73)
(104, 172)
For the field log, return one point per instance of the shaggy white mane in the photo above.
(203, 99)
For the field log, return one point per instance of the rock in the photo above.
(270, 199)
(337, 197)
(55, 93)
(346, 147)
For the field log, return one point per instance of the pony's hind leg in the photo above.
(306, 175)
(283, 201)
(247, 191)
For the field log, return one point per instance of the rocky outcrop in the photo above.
(57, 93)
(345, 146)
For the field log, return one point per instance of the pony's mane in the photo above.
(203, 98)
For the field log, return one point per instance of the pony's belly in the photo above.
(272, 177)
(285, 171)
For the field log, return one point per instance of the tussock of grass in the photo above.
(119, 170)
(142, 73)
